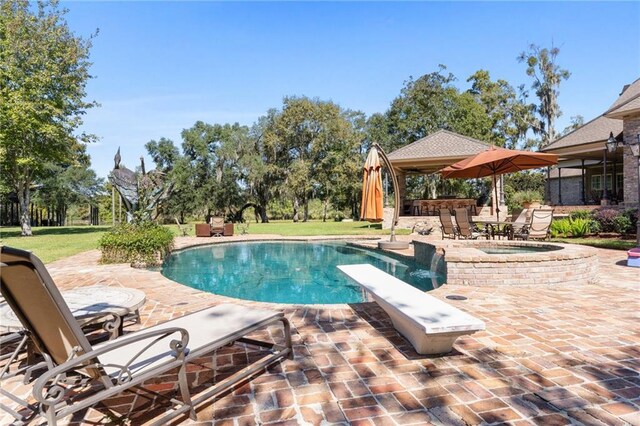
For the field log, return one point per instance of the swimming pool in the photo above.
(285, 272)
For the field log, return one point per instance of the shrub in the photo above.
(580, 227)
(581, 214)
(605, 218)
(560, 228)
(632, 214)
(139, 244)
(571, 227)
(519, 198)
(622, 224)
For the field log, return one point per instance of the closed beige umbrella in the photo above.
(371, 208)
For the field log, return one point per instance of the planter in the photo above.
(633, 257)
(531, 205)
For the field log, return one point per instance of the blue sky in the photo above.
(161, 66)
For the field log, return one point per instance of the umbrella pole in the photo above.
(497, 203)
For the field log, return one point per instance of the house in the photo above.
(587, 173)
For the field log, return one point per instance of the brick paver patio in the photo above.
(550, 355)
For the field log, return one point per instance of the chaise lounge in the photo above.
(80, 375)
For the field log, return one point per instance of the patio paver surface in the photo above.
(549, 356)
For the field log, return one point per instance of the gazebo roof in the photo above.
(435, 151)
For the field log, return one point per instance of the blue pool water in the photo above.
(285, 272)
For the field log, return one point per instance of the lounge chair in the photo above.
(538, 227)
(80, 375)
(446, 225)
(465, 228)
(519, 223)
(217, 226)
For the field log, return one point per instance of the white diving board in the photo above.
(430, 324)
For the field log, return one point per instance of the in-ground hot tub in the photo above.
(477, 262)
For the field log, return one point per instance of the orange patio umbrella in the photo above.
(497, 161)
(371, 208)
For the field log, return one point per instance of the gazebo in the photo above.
(426, 156)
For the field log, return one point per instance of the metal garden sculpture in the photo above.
(140, 192)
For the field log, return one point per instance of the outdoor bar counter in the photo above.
(431, 207)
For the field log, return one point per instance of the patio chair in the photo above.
(446, 225)
(538, 227)
(217, 226)
(519, 223)
(79, 375)
(466, 229)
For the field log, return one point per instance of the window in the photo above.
(596, 182)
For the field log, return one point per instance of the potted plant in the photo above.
(528, 199)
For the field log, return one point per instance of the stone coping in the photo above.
(469, 251)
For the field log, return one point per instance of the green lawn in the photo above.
(607, 243)
(52, 243)
(55, 242)
(289, 228)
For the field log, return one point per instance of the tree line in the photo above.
(307, 150)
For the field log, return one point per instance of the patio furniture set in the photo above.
(523, 228)
(215, 228)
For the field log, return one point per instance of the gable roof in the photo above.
(627, 103)
(594, 131)
(441, 144)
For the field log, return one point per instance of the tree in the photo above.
(213, 153)
(304, 146)
(63, 186)
(431, 103)
(577, 121)
(45, 68)
(509, 113)
(547, 76)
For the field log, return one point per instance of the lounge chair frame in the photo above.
(539, 226)
(58, 390)
(465, 228)
(449, 230)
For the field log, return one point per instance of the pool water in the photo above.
(285, 272)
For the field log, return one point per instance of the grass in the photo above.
(289, 228)
(606, 243)
(57, 242)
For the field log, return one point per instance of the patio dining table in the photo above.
(497, 228)
(84, 301)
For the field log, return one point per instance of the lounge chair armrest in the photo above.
(111, 321)
(47, 388)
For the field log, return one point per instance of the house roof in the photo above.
(628, 102)
(441, 144)
(595, 130)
